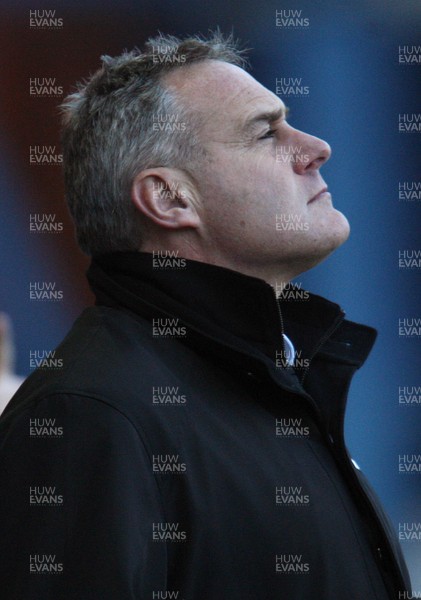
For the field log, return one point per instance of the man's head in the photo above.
(178, 148)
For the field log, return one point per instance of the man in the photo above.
(189, 442)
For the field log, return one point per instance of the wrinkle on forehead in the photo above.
(214, 88)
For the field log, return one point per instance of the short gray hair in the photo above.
(109, 135)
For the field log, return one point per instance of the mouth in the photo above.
(322, 192)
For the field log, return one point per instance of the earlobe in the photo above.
(164, 198)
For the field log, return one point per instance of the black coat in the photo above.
(166, 451)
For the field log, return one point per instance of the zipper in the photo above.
(281, 321)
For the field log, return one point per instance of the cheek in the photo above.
(271, 182)
(252, 187)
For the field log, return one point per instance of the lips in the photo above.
(322, 191)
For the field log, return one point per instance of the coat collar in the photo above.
(231, 307)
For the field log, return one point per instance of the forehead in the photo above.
(221, 92)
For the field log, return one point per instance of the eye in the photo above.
(269, 134)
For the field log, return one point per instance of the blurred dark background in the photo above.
(348, 57)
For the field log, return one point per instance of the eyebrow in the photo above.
(265, 117)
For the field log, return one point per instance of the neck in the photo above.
(277, 274)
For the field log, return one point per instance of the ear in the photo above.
(167, 197)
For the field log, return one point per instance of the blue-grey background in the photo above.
(348, 57)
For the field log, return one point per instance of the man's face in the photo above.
(259, 184)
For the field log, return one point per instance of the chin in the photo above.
(334, 229)
(341, 228)
(335, 232)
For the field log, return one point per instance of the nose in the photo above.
(313, 152)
